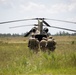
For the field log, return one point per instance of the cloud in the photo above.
(7, 4)
(56, 8)
(32, 6)
(3, 1)
(72, 7)
(63, 8)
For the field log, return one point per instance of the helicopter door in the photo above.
(39, 37)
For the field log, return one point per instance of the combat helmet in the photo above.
(44, 38)
(33, 34)
(50, 37)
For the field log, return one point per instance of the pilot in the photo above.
(51, 44)
(33, 43)
(43, 44)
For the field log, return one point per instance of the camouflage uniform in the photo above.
(51, 44)
(43, 43)
(33, 43)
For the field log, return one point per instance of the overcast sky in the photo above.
(24, 9)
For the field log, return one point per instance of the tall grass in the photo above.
(17, 59)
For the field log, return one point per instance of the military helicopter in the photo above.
(38, 29)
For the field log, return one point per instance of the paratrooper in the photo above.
(51, 44)
(43, 44)
(33, 43)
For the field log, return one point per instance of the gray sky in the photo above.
(23, 9)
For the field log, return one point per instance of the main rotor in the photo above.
(41, 22)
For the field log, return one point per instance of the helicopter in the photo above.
(38, 29)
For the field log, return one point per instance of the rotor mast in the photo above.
(40, 25)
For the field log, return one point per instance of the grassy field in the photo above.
(17, 59)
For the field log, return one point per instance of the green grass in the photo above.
(17, 59)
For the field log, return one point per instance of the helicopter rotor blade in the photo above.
(63, 28)
(36, 19)
(28, 33)
(58, 27)
(16, 21)
(23, 26)
(32, 30)
(46, 23)
(60, 20)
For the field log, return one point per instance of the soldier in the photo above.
(33, 43)
(43, 43)
(51, 44)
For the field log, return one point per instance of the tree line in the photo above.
(63, 33)
(17, 35)
(9, 35)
